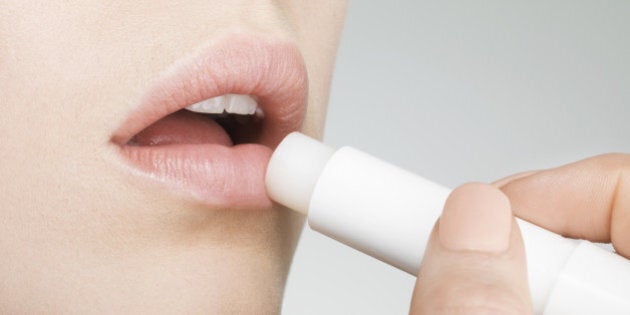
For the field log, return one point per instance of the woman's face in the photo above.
(115, 198)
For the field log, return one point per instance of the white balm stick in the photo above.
(388, 213)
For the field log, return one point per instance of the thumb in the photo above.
(475, 259)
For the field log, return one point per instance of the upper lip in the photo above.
(271, 71)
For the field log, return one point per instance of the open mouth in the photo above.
(206, 130)
(228, 120)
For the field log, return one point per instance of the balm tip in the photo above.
(293, 170)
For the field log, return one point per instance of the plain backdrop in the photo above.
(463, 91)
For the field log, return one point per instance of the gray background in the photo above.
(459, 91)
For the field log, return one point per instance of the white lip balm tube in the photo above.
(388, 213)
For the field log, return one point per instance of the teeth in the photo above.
(214, 105)
(240, 104)
(230, 103)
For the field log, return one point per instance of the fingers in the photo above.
(589, 199)
(475, 260)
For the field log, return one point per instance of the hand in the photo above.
(475, 263)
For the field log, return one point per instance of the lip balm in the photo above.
(388, 213)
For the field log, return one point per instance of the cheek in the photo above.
(318, 25)
(54, 81)
(59, 77)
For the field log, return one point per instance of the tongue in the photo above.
(182, 127)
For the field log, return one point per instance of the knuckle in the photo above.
(612, 161)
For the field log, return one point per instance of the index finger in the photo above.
(588, 199)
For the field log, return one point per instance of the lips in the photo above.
(219, 164)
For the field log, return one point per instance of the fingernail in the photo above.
(476, 217)
(504, 181)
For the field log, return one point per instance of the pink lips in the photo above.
(217, 173)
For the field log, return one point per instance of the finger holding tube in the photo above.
(475, 260)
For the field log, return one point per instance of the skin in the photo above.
(76, 236)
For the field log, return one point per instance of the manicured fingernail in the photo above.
(476, 217)
(504, 181)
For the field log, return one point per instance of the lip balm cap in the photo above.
(293, 170)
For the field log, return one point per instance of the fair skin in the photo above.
(81, 234)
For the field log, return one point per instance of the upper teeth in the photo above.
(230, 103)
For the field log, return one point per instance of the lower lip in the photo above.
(215, 175)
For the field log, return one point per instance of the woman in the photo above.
(117, 199)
